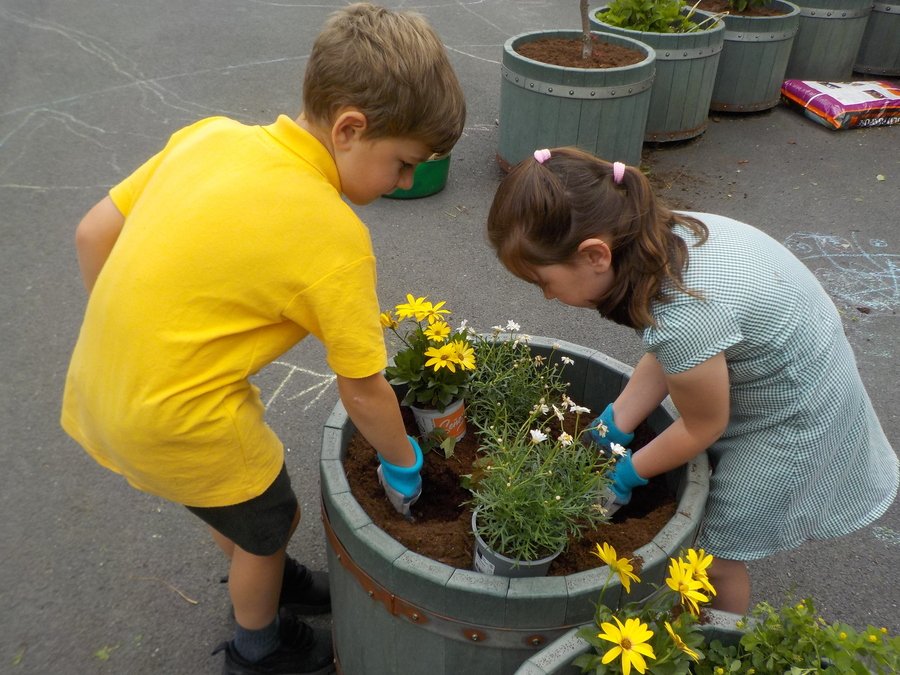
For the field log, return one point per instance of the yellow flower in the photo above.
(465, 354)
(437, 332)
(682, 582)
(699, 560)
(388, 320)
(442, 357)
(630, 642)
(621, 566)
(414, 307)
(434, 312)
(676, 638)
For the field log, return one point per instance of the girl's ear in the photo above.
(347, 128)
(597, 253)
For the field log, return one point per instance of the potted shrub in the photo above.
(597, 99)
(390, 601)
(759, 35)
(671, 633)
(536, 485)
(687, 43)
(433, 366)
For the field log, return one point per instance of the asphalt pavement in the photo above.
(97, 578)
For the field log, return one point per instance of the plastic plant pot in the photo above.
(429, 178)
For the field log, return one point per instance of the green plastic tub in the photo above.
(429, 178)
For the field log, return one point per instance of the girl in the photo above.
(736, 330)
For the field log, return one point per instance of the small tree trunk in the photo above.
(586, 42)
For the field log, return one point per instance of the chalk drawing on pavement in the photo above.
(311, 385)
(861, 274)
(887, 535)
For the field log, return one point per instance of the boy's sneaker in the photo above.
(304, 591)
(303, 651)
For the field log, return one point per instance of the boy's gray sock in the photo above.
(255, 645)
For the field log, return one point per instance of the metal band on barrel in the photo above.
(566, 91)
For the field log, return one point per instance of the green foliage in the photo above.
(744, 5)
(509, 381)
(795, 640)
(536, 487)
(535, 484)
(652, 16)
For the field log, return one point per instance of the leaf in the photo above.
(880, 177)
(105, 652)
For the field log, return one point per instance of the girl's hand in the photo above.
(603, 431)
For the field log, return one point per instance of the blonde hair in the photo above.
(391, 66)
(543, 211)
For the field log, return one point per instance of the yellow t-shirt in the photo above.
(236, 245)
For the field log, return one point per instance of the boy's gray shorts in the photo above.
(261, 525)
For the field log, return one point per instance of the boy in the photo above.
(219, 254)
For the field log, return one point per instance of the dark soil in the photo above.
(442, 528)
(719, 6)
(567, 52)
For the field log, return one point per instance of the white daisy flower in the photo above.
(567, 360)
(580, 409)
(538, 436)
(512, 326)
(565, 439)
(617, 449)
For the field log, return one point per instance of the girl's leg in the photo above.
(731, 580)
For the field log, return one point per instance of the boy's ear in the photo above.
(348, 127)
(597, 253)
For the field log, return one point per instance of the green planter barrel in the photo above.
(556, 658)
(601, 110)
(396, 611)
(754, 59)
(879, 51)
(830, 34)
(686, 65)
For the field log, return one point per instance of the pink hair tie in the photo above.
(541, 156)
(618, 172)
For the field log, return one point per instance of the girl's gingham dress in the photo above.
(804, 456)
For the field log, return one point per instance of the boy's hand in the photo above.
(402, 484)
(604, 432)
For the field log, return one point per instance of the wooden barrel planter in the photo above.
(686, 66)
(829, 38)
(754, 59)
(879, 51)
(601, 110)
(396, 611)
(556, 658)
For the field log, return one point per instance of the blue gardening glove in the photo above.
(624, 480)
(604, 432)
(402, 484)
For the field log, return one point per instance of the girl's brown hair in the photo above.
(542, 212)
